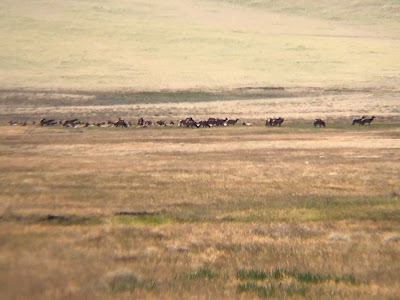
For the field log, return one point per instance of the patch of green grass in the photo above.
(51, 219)
(274, 285)
(308, 277)
(145, 220)
(123, 281)
(204, 273)
(251, 274)
(271, 290)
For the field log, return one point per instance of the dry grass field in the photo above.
(235, 212)
(241, 212)
(175, 44)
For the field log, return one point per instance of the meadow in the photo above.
(236, 212)
(232, 212)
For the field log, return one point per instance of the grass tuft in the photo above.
(271, 290)
(307, 277)
(251, 275)
(204, 273)
(122, 281)
(144, 220)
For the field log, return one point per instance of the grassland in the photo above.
(315, 213)
(156, 45)
(211, 213)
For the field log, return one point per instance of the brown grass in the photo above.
(222, 213)
(304, 200)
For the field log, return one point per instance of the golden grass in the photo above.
(150, 213)
(310, 202)
(192, 44)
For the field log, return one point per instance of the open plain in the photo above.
(227, 212)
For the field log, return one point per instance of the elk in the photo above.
(185, 121)
(13, 123)
(119, 123)
(221, 122)
(368, 121)
(45, 122)
(358, 121)
(212, 122)
(272, 122)
(192, 123)
(161, 123)
(99, 124)
(140, 122)
(204, 124)
(231, 122)
(319, 122)
(70, 123)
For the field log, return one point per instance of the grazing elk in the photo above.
(272, 122)
(231, 122)
(367, 121)
(45, 122)
(119, 123)
(192, 123)
(247, 124)
(221, 122)
(70, 123)
(204, 124)
(212, 122)
(14, 123)
(161, 123)
(184, 122)
(358, 121)
(99, 124)
(319, 122)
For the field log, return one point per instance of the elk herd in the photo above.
(187, 122)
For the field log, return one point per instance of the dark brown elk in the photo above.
(142, 122)
(119, 123)
(184, 122)
(212, 122)
(204, 124)
(367, 121)
(231, 122)
(161, 123)
(70, 123)
(100, 124)
(272, 122)
(319, 122)
(221, 122)
(14, 123)
(277, 122)
(357, 121)
(45, 122)
(192, 124)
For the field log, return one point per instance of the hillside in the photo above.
(142, 45)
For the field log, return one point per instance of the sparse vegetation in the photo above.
(284, 212)
(180, 213)
(204, 273)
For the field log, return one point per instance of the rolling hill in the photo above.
(154, 45)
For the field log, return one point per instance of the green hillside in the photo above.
(152, 45)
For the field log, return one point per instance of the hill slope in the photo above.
(198, 44)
